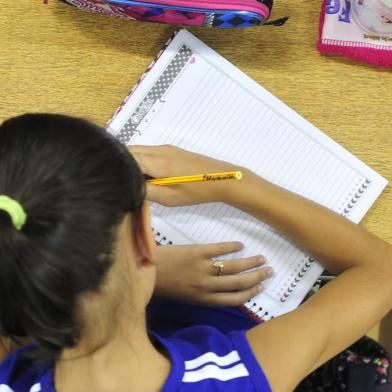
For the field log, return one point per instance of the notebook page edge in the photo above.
(378, 183)
(279, 106)
(185, 37)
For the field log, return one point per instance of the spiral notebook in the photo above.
(193, 98)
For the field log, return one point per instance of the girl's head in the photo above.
(83, 194)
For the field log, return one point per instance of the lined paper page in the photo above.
(196, 100)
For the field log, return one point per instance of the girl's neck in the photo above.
(129, 361)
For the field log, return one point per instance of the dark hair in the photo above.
(75, 183)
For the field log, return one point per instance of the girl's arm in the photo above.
(342, 311)
(338, 314)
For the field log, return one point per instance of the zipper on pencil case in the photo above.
(184, 6)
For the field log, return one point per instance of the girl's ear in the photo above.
(144, 237)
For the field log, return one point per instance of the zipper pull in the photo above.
(277, 22)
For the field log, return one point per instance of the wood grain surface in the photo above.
(56, 58)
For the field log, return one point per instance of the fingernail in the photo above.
(240, 245)
(268, 271)
(261, 260)
(260, 288)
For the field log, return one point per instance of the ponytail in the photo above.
(75, 183)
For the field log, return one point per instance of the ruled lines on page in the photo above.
(203, 106)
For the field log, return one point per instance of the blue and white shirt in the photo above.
(203, 359)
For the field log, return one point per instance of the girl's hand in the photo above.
(170, 161)
(186, 273)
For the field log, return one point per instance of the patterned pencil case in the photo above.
(211, 13)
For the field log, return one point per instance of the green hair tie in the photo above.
(14, 210)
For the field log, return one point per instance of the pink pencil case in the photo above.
(213, 13)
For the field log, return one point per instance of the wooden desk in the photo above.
(59, 59)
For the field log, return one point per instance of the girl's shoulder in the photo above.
(19, 373)
(205, 359)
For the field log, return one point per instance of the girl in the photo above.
(79, 265)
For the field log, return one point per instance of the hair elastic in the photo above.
(14, 210)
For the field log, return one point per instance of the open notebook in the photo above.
(193, 98)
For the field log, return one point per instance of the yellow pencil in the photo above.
(234, 175)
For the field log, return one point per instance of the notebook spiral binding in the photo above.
(161, 238)
(298, 277)
(361, 190)
(309, 260)
(253, 308)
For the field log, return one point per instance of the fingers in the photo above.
(239, 282)
(167, 160)
(160, 194)
(153, 160)
(235, 290)
(236, 266)
(148, 158)
(138, 149)
(222, 248)
(156, 161)
(234, 298)
(143, 150)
